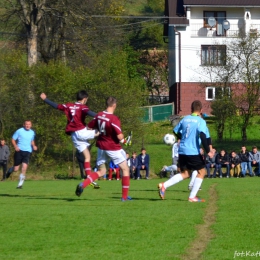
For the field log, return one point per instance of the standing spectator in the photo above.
(254, 159)
(109, 147)
(4, 156)
(234, 164)
(143, 161)
(245, 164)
(133, 165)
(211, 164)
(175, 153)
(113, 168)
(222, 160)
(191, 129)
(24, 144)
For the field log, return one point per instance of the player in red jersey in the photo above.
(76, 113)
(109, 147)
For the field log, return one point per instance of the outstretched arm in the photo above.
(47, 101)
(91, 113)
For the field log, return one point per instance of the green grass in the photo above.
(45, 220)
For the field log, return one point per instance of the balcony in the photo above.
(236, 30)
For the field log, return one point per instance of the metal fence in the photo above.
(158, 112)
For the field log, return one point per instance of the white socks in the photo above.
(193, 176)
(22, 178)
(175, 179)
(195, 188)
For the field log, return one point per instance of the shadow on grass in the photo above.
(40, 198)
(156, 190)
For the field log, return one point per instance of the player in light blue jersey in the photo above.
(191, 129)
(24, 144)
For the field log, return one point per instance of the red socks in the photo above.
(87, 168)
(110, 174)
(125, 186)
(118, 174)
(91, 177)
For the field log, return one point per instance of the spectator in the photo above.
(113, 168)
(245, 164)
(254, 158)
(222, 161)
(171, 168)
(175, 153)
(4, 156)
(133, 165)
(234, 164)
(211, 164)
(143, 161)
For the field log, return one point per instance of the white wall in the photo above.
(191, 46)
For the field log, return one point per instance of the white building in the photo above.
(197, 32)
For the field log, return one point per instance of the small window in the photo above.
(220, 16)
(216, 92)
(210, 93)
(213, 55)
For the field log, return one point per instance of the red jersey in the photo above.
(109, 127)
(76, 114)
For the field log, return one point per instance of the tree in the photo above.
(21, 87)
(155, 71)
(239, 77)
(56, 27)
(223, 110)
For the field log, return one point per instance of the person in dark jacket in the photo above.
(211, 163)
(143, 162)
(222, 161)
(234, 164)
(133, 165)
(245, 164)
(4, 156)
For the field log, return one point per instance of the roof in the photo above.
(220, 2)
(175, 10)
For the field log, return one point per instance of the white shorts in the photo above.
(80, 138)
(103, 156)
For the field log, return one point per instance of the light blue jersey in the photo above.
(24, 139)
(189, 128)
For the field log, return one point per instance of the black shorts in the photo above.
(21, 157)
(191, 162)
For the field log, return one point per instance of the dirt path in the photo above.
(204, 233)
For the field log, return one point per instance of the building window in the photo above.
(216, 92)
(219, 16)
(213, 55)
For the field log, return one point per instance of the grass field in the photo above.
(45, 220)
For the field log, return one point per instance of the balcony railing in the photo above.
(236, 30)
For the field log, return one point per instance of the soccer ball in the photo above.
(169, 139)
